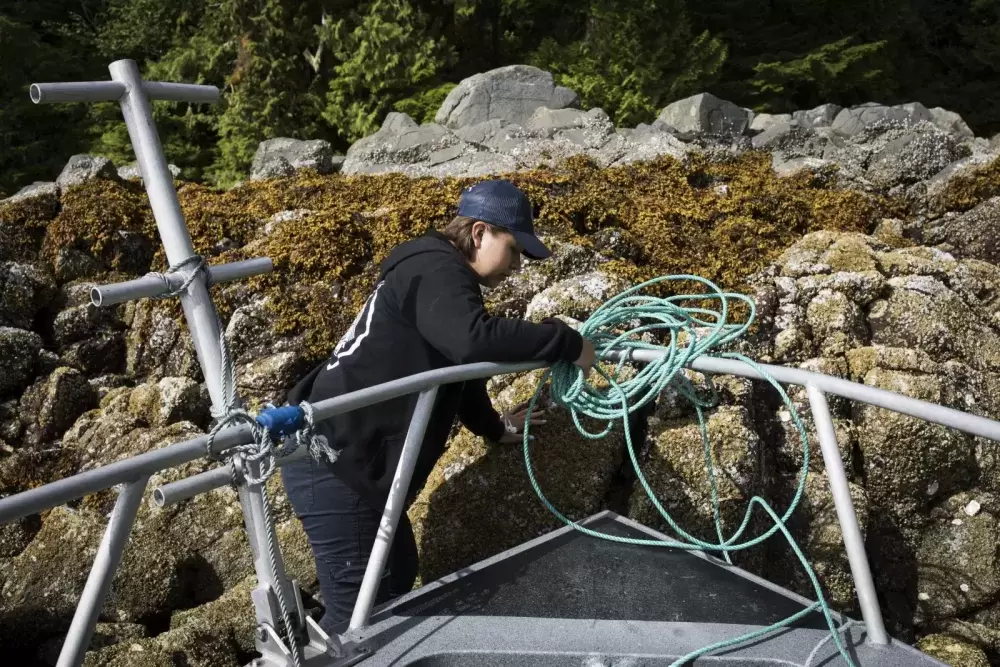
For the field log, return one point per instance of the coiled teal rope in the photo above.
(617, 325)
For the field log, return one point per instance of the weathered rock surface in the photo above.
(509, 93)
(281, 157)
(83, 168)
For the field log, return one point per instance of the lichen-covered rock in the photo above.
(511, 298)
(282, 156)
(15, 536)
(250, 334)
(510, 93)
(19, 350)
(478, 500)
(79, 319)
(52, 404)
(898, 479)
(24, 290)
(194, 645)
(82, 168)
(171, 400)
(269, 378)
(837, 323)
(958, 564)
(976, 233)
(816, 528)
(575, 297)
(676, 472)
(39, 601)
(158, 344)
(953, 651)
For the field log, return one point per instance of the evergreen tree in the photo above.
(383, 56)
(42, 41)
(634, 57)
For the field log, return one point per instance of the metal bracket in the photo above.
(318, 648)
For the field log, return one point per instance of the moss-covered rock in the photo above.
(19, 350)
(479, 501)
(953, 651)
(958, 564)
(24, 218)
(25, 289)
(170, 400)
(51, 405)
(935, 456)
(194, 645)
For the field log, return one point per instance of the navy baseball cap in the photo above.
(502, 204)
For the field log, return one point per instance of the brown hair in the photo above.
(459, 232)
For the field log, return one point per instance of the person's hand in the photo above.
(588, 357)
(516, 417)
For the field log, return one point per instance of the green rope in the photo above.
(617, 325)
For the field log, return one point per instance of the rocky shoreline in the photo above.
(900, 292)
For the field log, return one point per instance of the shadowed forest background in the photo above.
(332, 69)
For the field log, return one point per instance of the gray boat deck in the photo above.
(570, 600)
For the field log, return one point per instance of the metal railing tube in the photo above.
(203, 482)
(854, 542)
(393, 508)
(76, 91)
(881, 398)
(181, 92)
(102, 572)
(65, 490)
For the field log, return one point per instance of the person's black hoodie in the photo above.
(426, 311)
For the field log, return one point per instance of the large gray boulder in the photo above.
(401, 141)
(821, 116)
(705, 113)
(974, 234)
(850, 122)
(83, 168)
(951, 122)
(282, 156)
(132, 171)
(510, 93)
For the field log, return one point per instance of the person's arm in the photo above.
(447, 308)
(477, 414)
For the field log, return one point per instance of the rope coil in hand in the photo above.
(692, 331)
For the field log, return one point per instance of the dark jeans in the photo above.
(341, 528)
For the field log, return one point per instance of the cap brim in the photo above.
(532, 247)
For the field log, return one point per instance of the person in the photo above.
(426, 311)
